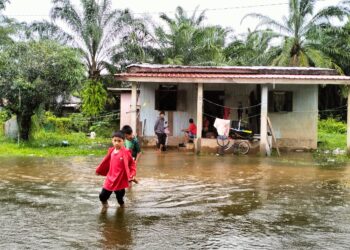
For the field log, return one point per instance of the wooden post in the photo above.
(273, 136)
(133, 107)
(263, 121)
(199, 116)
(348, 125)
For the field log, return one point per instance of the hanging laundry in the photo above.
(222, 126)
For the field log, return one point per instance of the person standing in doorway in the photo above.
(159, 130)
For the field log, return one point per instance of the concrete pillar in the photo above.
(348, 125)
(199, 116)
(133, 108)
(263, 121)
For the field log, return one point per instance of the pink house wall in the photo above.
(125, 106)
(125, 101)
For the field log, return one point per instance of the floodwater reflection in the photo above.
(183, 201)
(115, 229)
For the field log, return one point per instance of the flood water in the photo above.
(182, 202)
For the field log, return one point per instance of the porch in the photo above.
(289, 96)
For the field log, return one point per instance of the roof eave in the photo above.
(233, 80)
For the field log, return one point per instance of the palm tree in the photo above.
(44, 30)
(254, 49)
(176, 44)
(6, 25)
(298, 32)
(136, 46)
(3, 3)
(186, 41)
(95, 29)
(208, 45)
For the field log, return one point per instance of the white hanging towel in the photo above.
(222, 126)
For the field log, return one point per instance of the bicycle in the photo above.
(239, 147)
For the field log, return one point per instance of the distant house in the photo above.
(69, 105)
(287, 96)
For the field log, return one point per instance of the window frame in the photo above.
(162, 93)
(286, 106)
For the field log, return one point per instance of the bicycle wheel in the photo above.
(222, 141)
(243, 147)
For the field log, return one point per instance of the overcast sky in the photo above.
(227, 13)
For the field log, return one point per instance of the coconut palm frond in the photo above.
(268, 22)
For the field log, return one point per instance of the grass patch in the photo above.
(332, 140)
(49, 144)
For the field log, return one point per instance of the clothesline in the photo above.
(297, 111)
(341, 108)
(232, 108)
(86, 119)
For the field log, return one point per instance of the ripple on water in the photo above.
(181, 202)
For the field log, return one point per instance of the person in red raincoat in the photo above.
(119, 168)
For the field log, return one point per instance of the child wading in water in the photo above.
(132, 143)
(119, 169)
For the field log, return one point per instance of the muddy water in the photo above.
(182, 202)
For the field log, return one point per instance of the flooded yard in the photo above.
(182, 202)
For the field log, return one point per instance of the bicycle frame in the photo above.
(238, 146)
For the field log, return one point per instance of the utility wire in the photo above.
(217, 9)
(87, 119)
(171, 11)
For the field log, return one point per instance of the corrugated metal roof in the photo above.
(162, 66)
(258, 70)
(125, 76)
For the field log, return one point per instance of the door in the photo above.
(213, 107)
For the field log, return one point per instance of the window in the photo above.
(280, 101)
(166, 98)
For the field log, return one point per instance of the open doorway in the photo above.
(254, 109)
(212, 107)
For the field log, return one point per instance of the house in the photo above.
(124, 95)
(69, 105)
(286, 96)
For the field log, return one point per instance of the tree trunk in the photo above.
(94, 73)
(24, 125)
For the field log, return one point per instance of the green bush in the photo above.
(4, 115)
(2, 129)
(79, 122)
(105, 127)
(94, 98)
(59, 124)
(332, 126)
(74, 123)
(331, 134)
